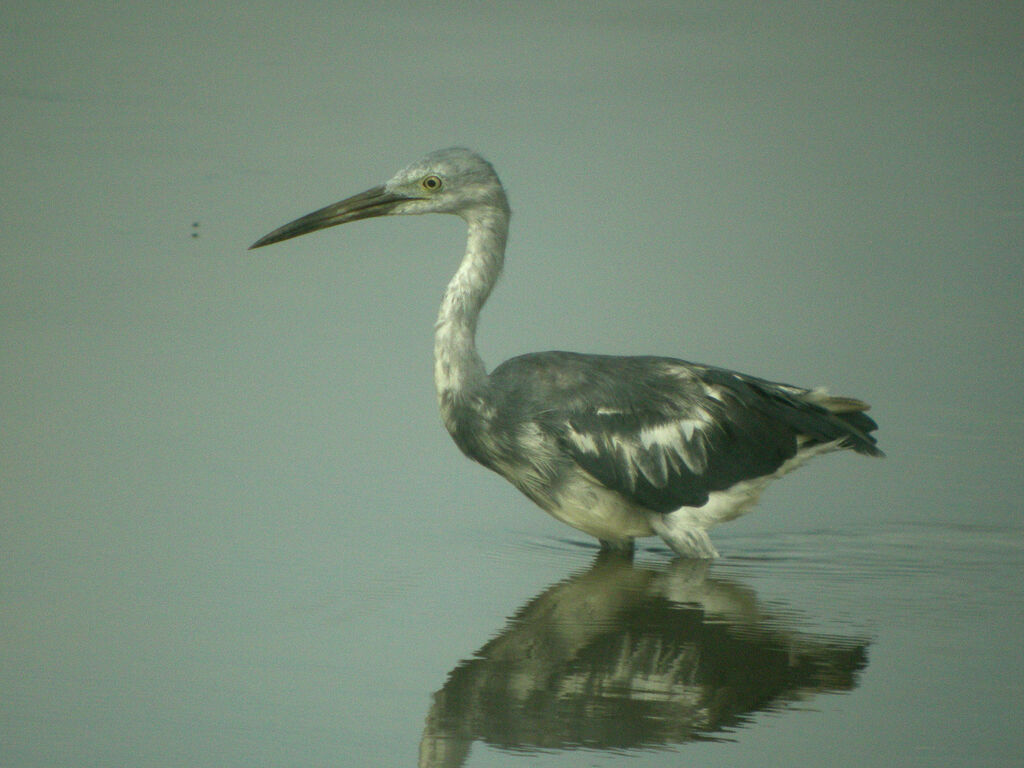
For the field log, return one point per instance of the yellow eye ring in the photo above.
(431, 183)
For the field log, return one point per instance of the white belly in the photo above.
(588, 506)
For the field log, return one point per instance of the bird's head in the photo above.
(454, 180)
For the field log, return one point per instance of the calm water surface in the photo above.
(875, 647)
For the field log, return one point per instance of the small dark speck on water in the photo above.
(195, 229)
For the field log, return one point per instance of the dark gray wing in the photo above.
(666, 433)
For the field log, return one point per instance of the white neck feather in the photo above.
(458, 368)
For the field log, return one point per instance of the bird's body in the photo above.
(617, 447)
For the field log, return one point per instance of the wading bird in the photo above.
(617, 447)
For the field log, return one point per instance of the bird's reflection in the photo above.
(626, 656)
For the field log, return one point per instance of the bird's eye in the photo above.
(431, 183)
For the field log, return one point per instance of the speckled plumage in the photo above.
(618, 447)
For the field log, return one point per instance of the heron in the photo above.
(619, 448)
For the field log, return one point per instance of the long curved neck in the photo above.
(458, 369)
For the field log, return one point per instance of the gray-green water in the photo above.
(232, 530)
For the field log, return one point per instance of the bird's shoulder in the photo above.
(571, 382)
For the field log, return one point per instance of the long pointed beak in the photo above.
(373, 202)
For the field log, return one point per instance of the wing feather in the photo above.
(666, 433)
(668, 458)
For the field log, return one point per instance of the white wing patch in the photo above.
(682, 439)
(583, 441)
(655, 451)
(715, 393)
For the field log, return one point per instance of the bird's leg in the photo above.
(617, 545)
(683, 537)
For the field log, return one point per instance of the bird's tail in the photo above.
(851, 413)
